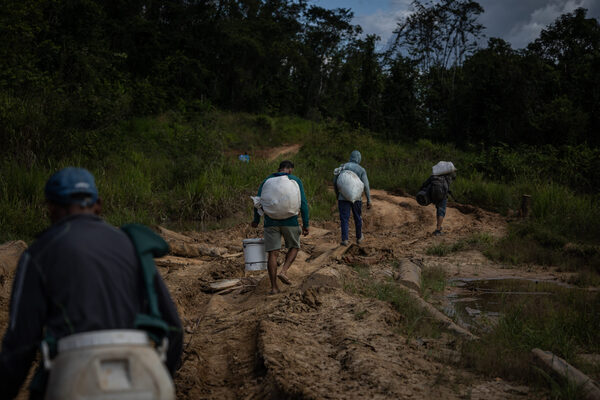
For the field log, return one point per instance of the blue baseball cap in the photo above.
(72, 185)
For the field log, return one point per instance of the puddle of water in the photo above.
(478, 303)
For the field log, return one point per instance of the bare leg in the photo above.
(439, 222)
(289, 259)
(272, 267)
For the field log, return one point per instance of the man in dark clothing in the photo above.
(79, 275)
(440, 205)
(288, 228)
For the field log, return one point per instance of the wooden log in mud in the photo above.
(441, 317)
(173, 262)
(335, 253)
(172, 236)
(185, 246)
(409, 274)
(195, 250)
(564, 370)
(225, 286)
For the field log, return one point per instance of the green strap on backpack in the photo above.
(149, 245)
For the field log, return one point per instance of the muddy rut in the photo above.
(316, 340)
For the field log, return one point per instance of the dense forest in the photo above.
(72, 65)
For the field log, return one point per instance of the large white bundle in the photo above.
(443, 168)
(350, 185)
(280, 197)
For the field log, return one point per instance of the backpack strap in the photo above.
(149, 245)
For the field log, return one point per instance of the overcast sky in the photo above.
(519, 22)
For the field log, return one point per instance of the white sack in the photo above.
(350, 185)
(280, 197)
(443, 168)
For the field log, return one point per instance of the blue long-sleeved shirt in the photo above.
(293, 220)
(354, 166)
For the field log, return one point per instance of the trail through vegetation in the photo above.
(344, 328)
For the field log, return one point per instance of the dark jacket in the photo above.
(80, 275)
(448, 178)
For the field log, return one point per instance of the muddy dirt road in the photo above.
(316, 340)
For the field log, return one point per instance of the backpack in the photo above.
(423, 197)
(435, 191)
(438, 189)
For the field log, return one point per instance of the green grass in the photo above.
(561, 389)
(180, 169)
(433, 280)
(565, 323)
(415, 321)
(480, 241)
(531, 242)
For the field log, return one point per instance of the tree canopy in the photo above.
(70, 65)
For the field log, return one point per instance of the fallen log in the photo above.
(171, 236)
(185, 246)
(564, 370)
(441, 317)
(233, 255)
(335, 253)
(173, 262)
(192, 250)
(409, 274)
(223, 284)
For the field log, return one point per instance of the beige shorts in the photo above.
(273, 234)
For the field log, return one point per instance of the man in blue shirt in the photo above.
(288, 228)
(345, 206)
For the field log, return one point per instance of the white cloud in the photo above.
(523, 33)
(517, 21)
(383, 22)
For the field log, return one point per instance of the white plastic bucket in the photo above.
(255, 255)
(108, 365)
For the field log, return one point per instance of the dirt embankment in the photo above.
(316, 340)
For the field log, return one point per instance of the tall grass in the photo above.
(181, 168)
(565, 323)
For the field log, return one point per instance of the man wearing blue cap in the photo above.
(80, 275)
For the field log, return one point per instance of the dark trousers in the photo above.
(345, 207)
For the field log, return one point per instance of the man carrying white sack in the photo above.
(436, 190)
(280, 197)
(349, 181)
